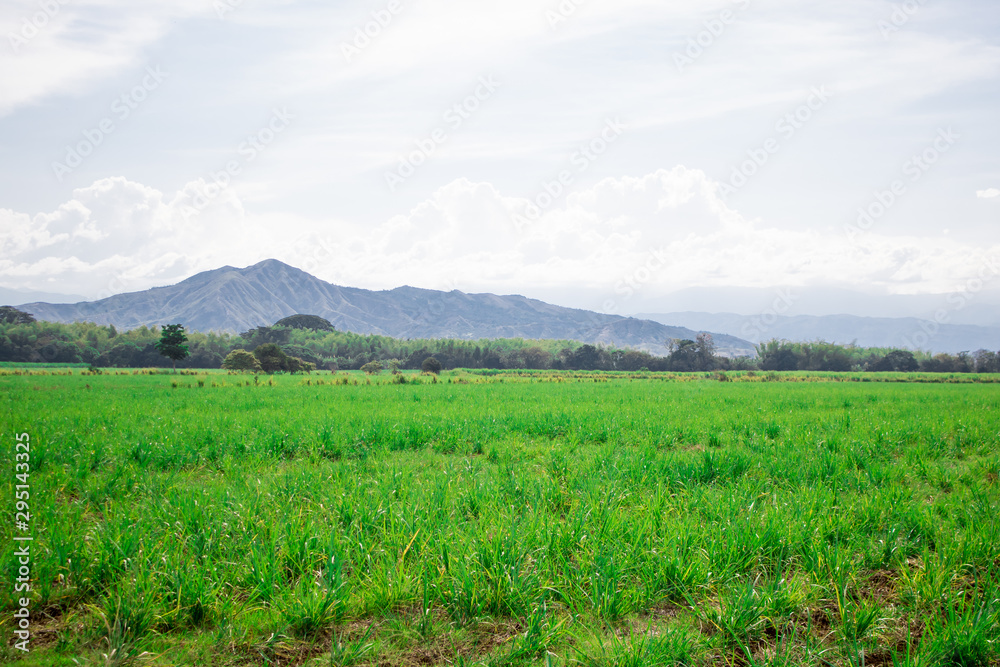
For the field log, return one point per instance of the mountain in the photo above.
(980, 302)
(900, 332)
(15, 296)
(234, 300)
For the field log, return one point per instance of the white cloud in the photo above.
(463, 237)
(354, 120)
(61, 47)
(117, 235)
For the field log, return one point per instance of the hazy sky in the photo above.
(590, 150)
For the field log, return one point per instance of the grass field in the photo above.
(507, 519)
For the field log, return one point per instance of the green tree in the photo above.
(431, 365)
(685, 355)
(171, 343)
(899, 361)
(986, 361)
(778, 355)
(706, 351)
(272, 359)
(372, 367)
(11, 315)
(241, 360)
(307, 322)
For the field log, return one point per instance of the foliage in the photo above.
(431, 365)
(11, 315)
(241, 360)
(172, 343)
(263, 335)
(308, 322)
(273, 359)
(692, 355)
(46, 342)
(897, 361)
(372, 368)
(780, 355)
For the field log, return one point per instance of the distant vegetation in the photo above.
(311, 340)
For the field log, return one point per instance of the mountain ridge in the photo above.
(230, 299)
(886, 332)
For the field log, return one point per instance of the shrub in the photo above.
(372, 367)
(241, 360)
(296, 365)
(271, 358)
(431, 365)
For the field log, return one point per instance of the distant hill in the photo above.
(14, 297)
(983, 310)
(234, 300)
(844, 329)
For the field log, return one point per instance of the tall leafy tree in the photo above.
(172, 343)
(11, 315)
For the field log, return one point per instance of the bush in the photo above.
(899, 361)
(296, 365)
(372, 367)
(271, 358)
(431, 365)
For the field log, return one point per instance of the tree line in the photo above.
(303, 341)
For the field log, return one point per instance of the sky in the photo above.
(594, 153)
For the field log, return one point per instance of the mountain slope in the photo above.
(844, 329)
(234, 300)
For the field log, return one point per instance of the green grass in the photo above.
(516, 518)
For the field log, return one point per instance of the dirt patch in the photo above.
(879, 658)
(906, 634)
(489, 636)
(663, 611)
(880, 586)
(281, 651)
(426, 656)
(815, 622)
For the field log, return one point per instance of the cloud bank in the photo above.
(656, 233)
